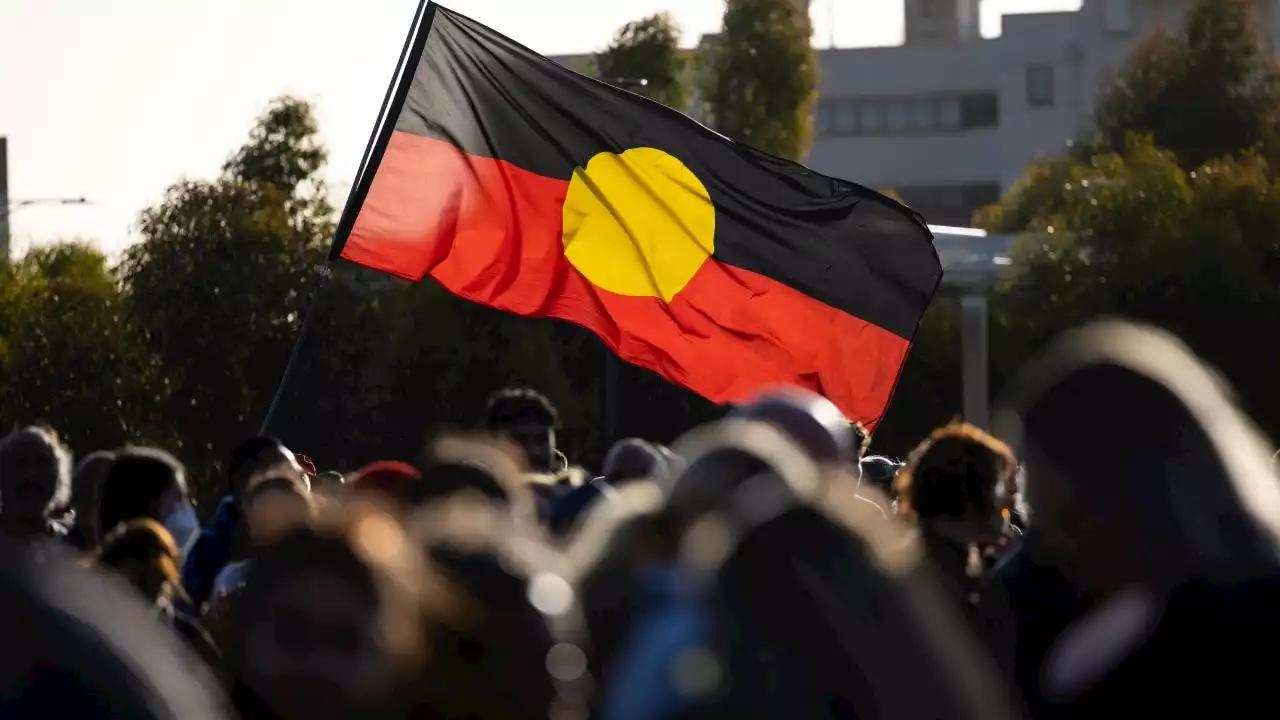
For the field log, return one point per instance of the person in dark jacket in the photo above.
(956, 486)
(1169, 524)
(225, 540)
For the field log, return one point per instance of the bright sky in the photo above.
(114, 100)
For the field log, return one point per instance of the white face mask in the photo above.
(184, 526)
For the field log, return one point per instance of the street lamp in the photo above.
(12, 206)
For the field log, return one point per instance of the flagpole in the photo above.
(378, 138)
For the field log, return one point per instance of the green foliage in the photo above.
(1134, 234)
(65, 358)
(221, 277)
(649, 50)
(1209, 91)
(762, 78)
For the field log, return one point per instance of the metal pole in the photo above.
(609, 401)
(4, 198)
(974, 358)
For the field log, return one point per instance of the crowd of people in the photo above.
(1110, 547)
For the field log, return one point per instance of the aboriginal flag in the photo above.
(524, 186)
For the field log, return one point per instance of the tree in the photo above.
(1135, 234)
(217, 286)
(65, 358)
(762, 78)
(648, 50)
(1209, 91)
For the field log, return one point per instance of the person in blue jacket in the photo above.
(224, 540)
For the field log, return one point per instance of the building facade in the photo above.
(949, 120)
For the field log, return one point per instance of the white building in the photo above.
(949, 119)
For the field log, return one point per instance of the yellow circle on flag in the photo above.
(638, 223)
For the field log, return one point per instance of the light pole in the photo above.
(10, 206)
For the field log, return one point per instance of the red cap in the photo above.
(388, 477)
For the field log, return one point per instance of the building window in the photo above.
(949, 112)
(1118, 16)
(1040, 85)
(871, 117)
(846, 118)
(896, 116)
(979, 110)
(922, 117)
(905, 115)
(950, 204)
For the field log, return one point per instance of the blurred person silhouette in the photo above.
(609, 555)
(808, 419)
(80, 646)
(272, 505)
(485, 469)
(389, 479)
(628, 461)
(148, 483)
(225, 539)
(331, 483)
(86, 485)
(35, 478)
(329, 623)
(515, 646)
(956, 486)
(790, 598)
(878, 471)
(1168, 522)
(144, 554)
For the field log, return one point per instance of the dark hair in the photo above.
(957, 468)
(879, 471)
(512, 405)
(136, 480)
(634, 459)
(244, 454)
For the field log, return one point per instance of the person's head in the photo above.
(35, 477)
(255, 456)
(1173, 484)
(145, 555)
(527, 419)
(959, 480)
(330, 482)
(879, 471)
(498, 657)
(391, 479)
(808, 419)
(275, 505)
(143, 483)
(329, 620)
(486, 470)
(86, 487)
(635, 459)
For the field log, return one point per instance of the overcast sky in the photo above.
(115, 100)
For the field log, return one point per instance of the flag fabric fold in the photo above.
(524, 186)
